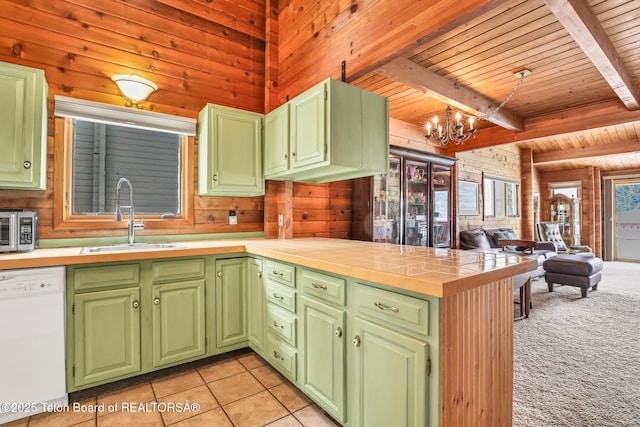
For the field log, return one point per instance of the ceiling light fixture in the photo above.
(450, 131)
(134, 88)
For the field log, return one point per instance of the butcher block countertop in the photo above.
(428, 271)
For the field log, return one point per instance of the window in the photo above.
(103, 143)
(501, 197)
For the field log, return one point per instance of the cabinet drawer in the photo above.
(106, 276)
(283, 357)
(282, 273)
(281, 324)
(281, 296)
(393, 309)
(322, 285)
(180, 269)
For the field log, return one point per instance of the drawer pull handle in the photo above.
(135, 304)
(278, 325)
(277, 356)
(356, 341)
(156, 301)
(219, 273)
(339, 332)
(278, 273)
(319, 286)
(382, 306)
(276, 296)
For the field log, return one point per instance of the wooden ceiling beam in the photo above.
(417, 77)
(594, 116)
(582, 153)
(580, 21)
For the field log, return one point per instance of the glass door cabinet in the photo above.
(410, 205)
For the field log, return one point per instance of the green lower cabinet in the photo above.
(387, 377)
(178, 319)
(256, 303)
(323, 355)
(107, 335)
(231, 302)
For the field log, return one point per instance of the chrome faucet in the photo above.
(132, 226)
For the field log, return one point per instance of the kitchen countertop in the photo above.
(437, 272)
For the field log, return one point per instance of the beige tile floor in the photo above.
(240, 391)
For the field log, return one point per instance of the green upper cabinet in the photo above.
(23, 128)
(276, 132)
(336, 131)
(229, 152)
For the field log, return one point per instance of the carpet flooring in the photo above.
(577, 361)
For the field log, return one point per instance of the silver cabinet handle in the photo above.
(135, 304)
(382, 306)
(278, 273)
(278, 325)
(277, 356)
(156, 301)
(259, 274)
(215, 178)
(339, 332)
(219, 273)
(26, 164)
(319, 286)
(356, 341)
(286, 156)
(276, 296)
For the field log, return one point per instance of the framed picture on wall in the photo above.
(468, 198)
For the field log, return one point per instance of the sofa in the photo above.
(488, 239)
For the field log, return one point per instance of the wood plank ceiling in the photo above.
(580, 104)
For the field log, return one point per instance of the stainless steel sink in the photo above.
(130, 248)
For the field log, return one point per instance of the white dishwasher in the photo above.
(32, 342)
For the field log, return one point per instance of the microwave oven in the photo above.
(18, 230)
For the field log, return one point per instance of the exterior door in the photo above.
(178, 321)
(107, 335)
(627, 220)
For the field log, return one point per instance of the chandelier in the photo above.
(454, 131)
(449, 132)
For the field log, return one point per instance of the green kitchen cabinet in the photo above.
(107, 335)
(336, 131)
(255, 303)
(388, 373)
(276, 136)
(323, 355)
(23, 128)
(178, 320)
(229, 152)
(231, 302)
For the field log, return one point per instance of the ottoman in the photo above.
(582, 270)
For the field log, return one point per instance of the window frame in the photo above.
(64, 219)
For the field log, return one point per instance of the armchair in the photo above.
(550, 232)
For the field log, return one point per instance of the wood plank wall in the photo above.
(499, 161)
(197, 52)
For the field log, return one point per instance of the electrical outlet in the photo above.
(233, 218)
(280, 220)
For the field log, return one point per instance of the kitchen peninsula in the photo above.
(428, 330)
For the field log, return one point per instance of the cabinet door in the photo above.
(256, 303)
(307, 127)
(231, 302)
(23, 128)
(230, 152)
(323, 357)
(107, 335)
(178, 321)
(276, 141)
(387, 377)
